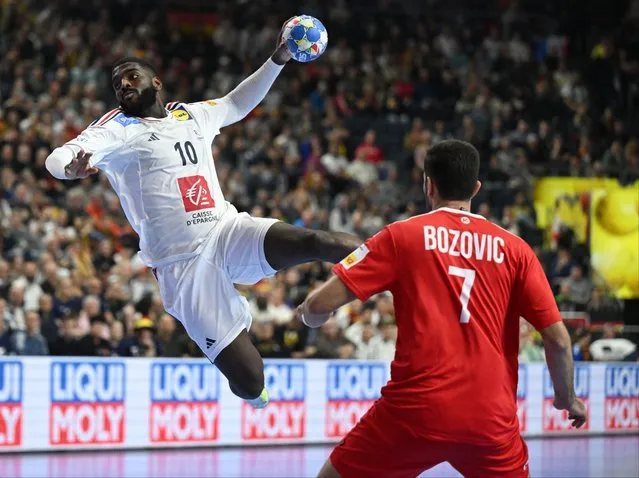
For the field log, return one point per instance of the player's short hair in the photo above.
(132, 59)
(453, 166)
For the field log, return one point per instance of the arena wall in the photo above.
(49, 403)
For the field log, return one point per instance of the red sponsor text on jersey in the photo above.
(195, 192)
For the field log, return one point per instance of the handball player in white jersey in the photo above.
(158, 160)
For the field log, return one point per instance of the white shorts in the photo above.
(200, 291)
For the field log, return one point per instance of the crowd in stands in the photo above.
(338, 144)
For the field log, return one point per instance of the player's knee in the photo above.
(251, 384)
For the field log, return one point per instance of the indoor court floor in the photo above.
(558, 457)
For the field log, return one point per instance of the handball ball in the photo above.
(305, 37)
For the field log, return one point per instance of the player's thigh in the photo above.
(509, 460)
(242, 242)
(207, 303)
(380, 446)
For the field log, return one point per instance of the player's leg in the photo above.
(242, 365)
(380, 445)
(508, 460)
(286, 246)
(200, 294)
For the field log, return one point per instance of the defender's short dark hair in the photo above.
(453, 166)
(132, 59)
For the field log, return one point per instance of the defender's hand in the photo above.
(79, 167)
(576, 411)
(281, 56)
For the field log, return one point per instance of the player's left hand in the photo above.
(308, 319)
(281, 55)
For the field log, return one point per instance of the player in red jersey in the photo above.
(460, 285)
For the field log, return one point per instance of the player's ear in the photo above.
(429, 186)
(477, 188)
(157, 83)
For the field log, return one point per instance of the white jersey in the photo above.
(162, 170)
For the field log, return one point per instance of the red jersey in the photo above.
(460, 285)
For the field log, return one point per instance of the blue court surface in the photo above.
(570, 457)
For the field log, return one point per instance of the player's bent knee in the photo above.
(253, 383)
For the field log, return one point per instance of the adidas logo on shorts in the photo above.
(209, 343)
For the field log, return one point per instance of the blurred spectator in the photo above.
(529, 350)
(116, 334)
(31, 342)
(368, 344)
(96, 342)
(563, 299)
(385, 347)
(143, 343)
(368, 149)
(601, 309)
(278, 310)
(579, 288)
(581, 345)
(265, 340)
(331, 343)
(67, 341)
(354, 332)
(167, 336)
(48, 323)
(295, 339)
(8, 344)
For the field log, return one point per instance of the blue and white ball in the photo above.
(305, 37)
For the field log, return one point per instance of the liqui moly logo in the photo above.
(184, 402)
(622, 397)
(522, 397)
(285, 416)
(87, 403)
(557, 420)
(351, 390)
(10, 403)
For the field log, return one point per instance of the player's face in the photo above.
(135, 88)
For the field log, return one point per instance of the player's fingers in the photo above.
(92, 171)
(86, 157)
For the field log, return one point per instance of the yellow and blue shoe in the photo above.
(259, 402)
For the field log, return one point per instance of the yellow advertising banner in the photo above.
(601, 213)
(614, 238)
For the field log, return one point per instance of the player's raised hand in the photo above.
(281, 55)
(576, 411)
(79, 167)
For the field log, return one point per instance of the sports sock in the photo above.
(261, 401)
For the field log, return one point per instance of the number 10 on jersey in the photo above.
(187, 152)
(469, 278)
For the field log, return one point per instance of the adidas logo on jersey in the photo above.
(209, 343)
(154, 137)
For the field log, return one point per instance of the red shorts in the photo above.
(382, 445)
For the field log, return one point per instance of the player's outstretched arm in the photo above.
(78, 158)
(318, 307)
(62, 164)
(250, 93)
(558, 349)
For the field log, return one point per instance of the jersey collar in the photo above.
(458, 211)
